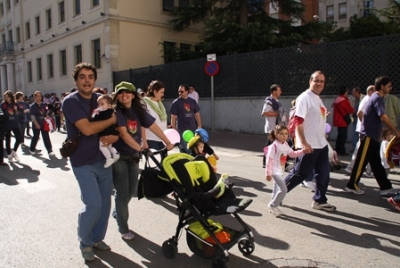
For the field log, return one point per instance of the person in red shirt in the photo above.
(342, 109)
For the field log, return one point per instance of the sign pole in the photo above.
(212, 103)
(211, 68)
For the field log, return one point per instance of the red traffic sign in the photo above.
(211, 68)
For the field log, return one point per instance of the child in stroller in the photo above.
(199, 195)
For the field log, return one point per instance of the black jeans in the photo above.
(341, 140)
(17, 136)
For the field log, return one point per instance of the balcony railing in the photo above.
(7, 47)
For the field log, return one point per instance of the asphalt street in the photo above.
(40, 201)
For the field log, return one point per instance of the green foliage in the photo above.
(364, 27)
(238, 26)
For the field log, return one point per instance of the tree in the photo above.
(364, 27)
(238, 26)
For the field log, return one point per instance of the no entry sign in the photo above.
(211, 68)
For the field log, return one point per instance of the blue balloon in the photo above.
(203, 134)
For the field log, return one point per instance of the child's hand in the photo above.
(216, 157)
(269, 178)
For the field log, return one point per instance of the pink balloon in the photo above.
(173, 135)
(327, 128)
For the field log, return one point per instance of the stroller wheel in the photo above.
(169, 248)
(218, 263)
(246, 246)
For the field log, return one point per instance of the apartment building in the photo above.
(41, 41)
(310, 12)
(340, 11)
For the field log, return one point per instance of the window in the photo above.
(185, 46)
(183, 3)
(39, 68)
(63, 62)
(77, 7)
(1, 9)
(8, 4)
(329, 13)
(18, 35)
(29, 70)
(78, 54)
(3, 39)
(95, 3)
(342, 11)
(10, 36)
(61, 12)
(48, 19)
(37, 25)
(27, 31)
(50, 66)
(368, 8)
(96, 53)
(168, 5)
(169, 51)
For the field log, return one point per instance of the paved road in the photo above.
(40, 200)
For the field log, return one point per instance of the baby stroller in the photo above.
(196, 188)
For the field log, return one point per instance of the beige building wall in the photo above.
(130, 35)
(329, 10)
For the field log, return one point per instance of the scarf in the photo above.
(159, 109)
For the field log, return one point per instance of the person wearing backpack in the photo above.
(272, 111)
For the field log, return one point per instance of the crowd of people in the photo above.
(374, 118)
(116, 128)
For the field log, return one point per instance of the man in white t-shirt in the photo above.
(193, 93)
(310, 122)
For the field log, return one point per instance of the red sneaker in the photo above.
(395, 204)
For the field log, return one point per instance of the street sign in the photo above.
(211, 57)
(211, 68)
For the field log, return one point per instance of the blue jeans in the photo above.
(125, 177)
(317, 162)
(95, 183)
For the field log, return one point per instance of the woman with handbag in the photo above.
(132, 119)
(341, 119)
(10, 110)
(39, 112)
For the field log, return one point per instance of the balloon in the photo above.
(172, 135)
(203, 134)
(327, 128)
(187, 135)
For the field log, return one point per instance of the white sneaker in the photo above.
(348, 170)
(52, 154)
(10, 158)
(275, 211)
(309, 184)
(388, 192)
(116, 157)
(14, 154)
(128, 236)
(109, 162)
(32, 152)
(369, 174)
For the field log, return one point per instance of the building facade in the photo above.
(340, 11)
(41, 41)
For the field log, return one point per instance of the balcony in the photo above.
(7, 48)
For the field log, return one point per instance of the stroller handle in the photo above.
(147, 153)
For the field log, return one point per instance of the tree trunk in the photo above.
(243, 12)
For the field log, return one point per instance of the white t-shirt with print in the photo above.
(361, 107)
(310, 107)
(278, 153)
